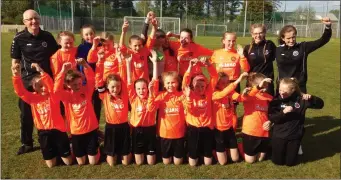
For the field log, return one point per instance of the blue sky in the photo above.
(319, 6)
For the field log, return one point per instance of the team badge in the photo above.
(233, 58)
(295, 53)
(297, 105)
(190, 54)
(82, 95)
(44, 44)
(266, 52)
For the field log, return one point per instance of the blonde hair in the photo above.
(254, 26)
(292, 83)
(228, 33)
(107, 36)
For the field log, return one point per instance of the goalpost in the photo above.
(303, 30)
(210, 29)
(165, 23)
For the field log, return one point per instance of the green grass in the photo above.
(321, 142)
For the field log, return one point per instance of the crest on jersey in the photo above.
(233, 58)
(44, 44)
(295, 53)
(190, 54)
(297, 105)
(266, 52)
(82, 95)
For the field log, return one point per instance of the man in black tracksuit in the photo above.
(292, 60)
(288, 128)
(32, 45)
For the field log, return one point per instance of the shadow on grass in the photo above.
(321, 139)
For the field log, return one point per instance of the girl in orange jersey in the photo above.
(46, 115)
(187, 49)
(171, 118)
(224, 117)
(229, 60)
(198, 109)
(77, 100)
(104, 44)
(115, 101)
(256, 124)
(140, 53)
(142, 120)
(67, 52)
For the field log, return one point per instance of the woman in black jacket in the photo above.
(287, 112)
(260, 54)
(291, 57)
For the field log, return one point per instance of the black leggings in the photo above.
(284, 152)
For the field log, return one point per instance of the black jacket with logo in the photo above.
(292, 61)
(33, 49)
(256, 59)
(291, 125)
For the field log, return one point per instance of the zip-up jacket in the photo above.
(292, 61)
(290, 126)
(260, 59)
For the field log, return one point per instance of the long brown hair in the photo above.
(285, 29)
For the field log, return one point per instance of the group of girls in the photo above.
(193, 115)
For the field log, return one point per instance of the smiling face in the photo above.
(66, 42)
(31, 19)
(229, 41)
(39, 86)
(199, 87)
(289, 38)
(185, 38)
(258, 34)
(136, 45)
(285, 90)
(88, 34)
(171, 83)
(114, 88)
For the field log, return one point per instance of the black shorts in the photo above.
(54, 143)
(85, 144)
(200, 141)
(117, 139)
(172, 147)
(253, 145)
(225, 139)
(144, 140)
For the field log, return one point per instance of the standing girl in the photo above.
(260, 54)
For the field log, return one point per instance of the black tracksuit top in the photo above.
(33, 49)
(290, 126)
(256, 57)
(292, 61)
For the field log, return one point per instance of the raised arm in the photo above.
(145, 27)
(311, 46)
(188, 74)
(153, 58)
(59, 82)
(44, 77)
(89, 75)
(243, 61)
(92, 55)
(228, 89)
(99, 71)
(123, 34)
